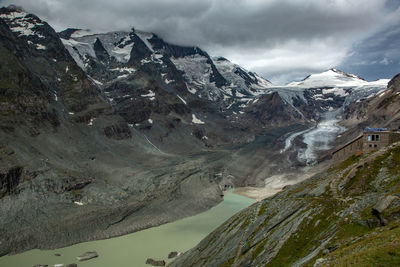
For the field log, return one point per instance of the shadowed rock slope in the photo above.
(327, 220)
(71, 169)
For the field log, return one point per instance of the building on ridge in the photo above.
(371, 139)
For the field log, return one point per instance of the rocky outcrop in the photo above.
(381, 206)
(381, 110)
(118, 131)
(155, 262)
(87, 256)
(309, 222)
(172, 254)
(9, 180)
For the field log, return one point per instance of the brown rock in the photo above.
(155, 262)
(172, 254)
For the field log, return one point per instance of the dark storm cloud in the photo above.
(270, 36)
(377, 56)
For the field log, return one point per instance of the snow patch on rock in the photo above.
(195, 120)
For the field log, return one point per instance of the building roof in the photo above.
(369, 129)
(349, 143)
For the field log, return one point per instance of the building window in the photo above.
(373, 137)
(370, 145)
(375, 145)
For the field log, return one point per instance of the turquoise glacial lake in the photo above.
(133, 249)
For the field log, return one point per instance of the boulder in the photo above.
(155, 262)
(57, 254)
(172, 254)
(72, 265)
(381, 206)
(87, 256)
(383, 203)
(40, 265)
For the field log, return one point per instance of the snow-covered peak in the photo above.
(22, 23)
(145, 37)
(330, 78)
(239, 77)
(81, 43)
(80, 33)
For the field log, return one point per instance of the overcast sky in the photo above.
(280, 39)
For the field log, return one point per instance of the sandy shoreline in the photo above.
(276, 183)
(257, 193)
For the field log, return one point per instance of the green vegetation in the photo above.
(379, 248)
(364, 177)
(347, 232)
(262, 209)
(345, 164)
(259, 249)
(309, 233)
(228, 263)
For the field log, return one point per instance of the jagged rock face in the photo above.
(316, 219)
(381, 110)
(68, 159)
(158, 88)
(9, 181)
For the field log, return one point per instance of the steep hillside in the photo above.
(381, 110)
(347, 211)
(70, 166)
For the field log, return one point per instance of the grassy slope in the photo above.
(334, 230)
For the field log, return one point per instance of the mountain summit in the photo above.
(332, 77)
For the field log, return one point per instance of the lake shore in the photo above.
(134, 249)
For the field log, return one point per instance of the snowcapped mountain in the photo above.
(330, 77)
(328, 91)
(211, 79)
(116, 61)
